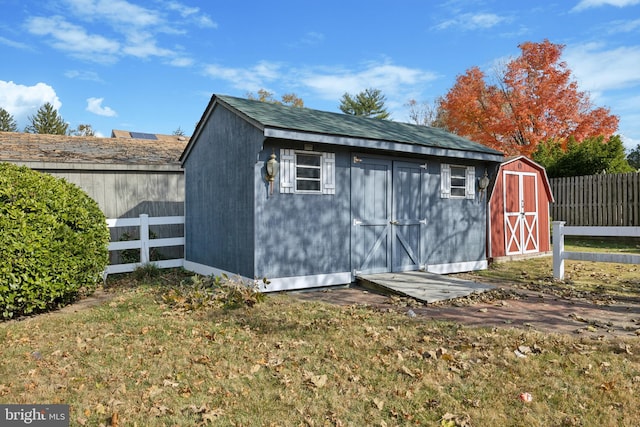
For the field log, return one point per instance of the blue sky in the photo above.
(151, 66)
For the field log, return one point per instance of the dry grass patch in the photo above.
(598, 282)
(138, 360)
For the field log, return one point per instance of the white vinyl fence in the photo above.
(144, 244)
(559, 254)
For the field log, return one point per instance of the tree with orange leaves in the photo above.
(533, 100)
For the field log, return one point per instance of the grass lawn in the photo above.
(141, 360)
(596, 281)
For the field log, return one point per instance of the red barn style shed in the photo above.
(518, 218)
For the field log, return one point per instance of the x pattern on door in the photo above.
(521, 212)
(386, 207)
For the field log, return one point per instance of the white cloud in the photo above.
(74, 39)
(588, 4)
(13, 43)
(472, 21)
(181, 62)
(598, 69)
(621, 26)
(142, 45)
(397, 83)
(193, 13)
(117, 12)
(94, 105)
(248, 79)
(91, 76)
(23, 101)
(312, 38)
(105, 30)
(392, 80)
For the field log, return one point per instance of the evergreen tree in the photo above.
(634, 158)
(7, 122)
(369, 103)
(47, 121)
(589, 157)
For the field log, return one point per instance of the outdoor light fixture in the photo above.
(272, 171)
(483, 184)
(484, 181)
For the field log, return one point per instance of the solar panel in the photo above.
(142, 135)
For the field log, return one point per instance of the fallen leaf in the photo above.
(212, 415)
(153, 391)
(378, 403)
(608, 386)
(316, 381)
(407, 371)
(524, 349)
(624, 348)
(159, 410)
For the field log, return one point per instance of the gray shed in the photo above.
(352, 196)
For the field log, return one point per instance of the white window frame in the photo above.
(289, 167)
(469, 184)
(298, 167)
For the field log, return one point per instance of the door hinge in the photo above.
(356, 159)
(423, 166)
(356, 221)
(423, 221)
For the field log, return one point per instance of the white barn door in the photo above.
(520, 212)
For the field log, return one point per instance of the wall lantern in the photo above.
(272, 171)
(483, 184)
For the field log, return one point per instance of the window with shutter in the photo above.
(471, 182)
(445, 181)
(307, 172)
(457, 181)
(287, 165)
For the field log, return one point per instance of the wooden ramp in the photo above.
(423, 286)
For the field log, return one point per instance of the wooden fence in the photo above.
(559, 254)
(597, 200)
(144, 244)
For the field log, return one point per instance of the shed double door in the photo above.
(388, 215)
(521, 212)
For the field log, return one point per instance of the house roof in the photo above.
(305, 124)
(29, 147)
(127, 134)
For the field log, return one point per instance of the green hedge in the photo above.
(53, 241)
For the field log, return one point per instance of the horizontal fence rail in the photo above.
(597, 200)
(559, 254)
(144, 244)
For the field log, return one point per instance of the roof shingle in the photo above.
(336, 124)
(29, 147)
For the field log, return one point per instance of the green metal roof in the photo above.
(344, 125)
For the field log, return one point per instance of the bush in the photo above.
(53, 241)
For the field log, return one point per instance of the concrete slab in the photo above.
(423, 286)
